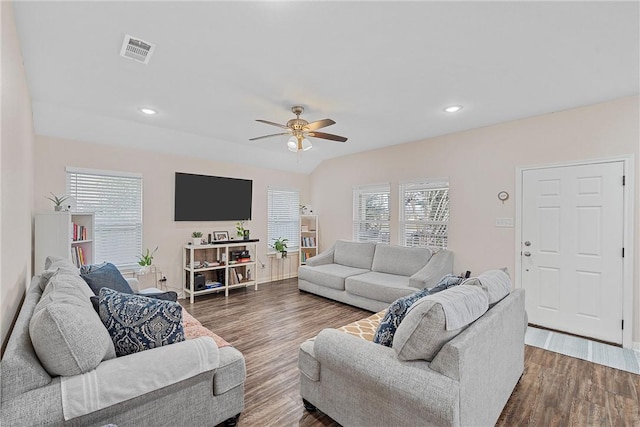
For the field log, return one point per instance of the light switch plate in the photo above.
(504, 222)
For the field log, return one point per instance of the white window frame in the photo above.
(431, 232)
(283, 217)
(118, 238)
(366, 228)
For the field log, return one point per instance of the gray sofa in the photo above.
(370, 275)
(192, 382)
(465, 381)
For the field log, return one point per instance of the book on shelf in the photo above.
(79, 232)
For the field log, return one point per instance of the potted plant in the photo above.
(241, 231)
(197, 238)
(57, 201)
(145, 260)
(280, 245)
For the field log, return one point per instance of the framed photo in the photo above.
(220, 236)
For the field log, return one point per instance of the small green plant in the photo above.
(280, 245)
(146, 258)
(57, 201)
(196, 234)
(240, 228)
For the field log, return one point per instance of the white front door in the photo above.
(571, 248)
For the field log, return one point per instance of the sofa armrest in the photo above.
(123, 378)
(355, 368)
(134, 283)
(325, 257)
(440, 264)
(488, 360)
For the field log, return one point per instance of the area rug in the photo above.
(603, 354)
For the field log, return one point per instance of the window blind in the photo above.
(116, 200)
(424, 214)
(371, 213)
(283, 217)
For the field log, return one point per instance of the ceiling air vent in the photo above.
(136, 49)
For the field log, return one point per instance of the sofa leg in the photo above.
(232, 422)
(308, 406)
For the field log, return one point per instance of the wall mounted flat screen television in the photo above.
(212, 198)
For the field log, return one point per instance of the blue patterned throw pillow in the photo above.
(136, 323)
(398, 309)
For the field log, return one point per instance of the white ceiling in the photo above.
(382, 70)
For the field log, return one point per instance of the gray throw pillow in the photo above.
(106, 275)
(65, 331)
(137, 323)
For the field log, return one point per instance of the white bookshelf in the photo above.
(54, 235)
(308, 237)
(226, 271)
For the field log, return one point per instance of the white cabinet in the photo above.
(218, 266)
(308, 237)
(65, 234)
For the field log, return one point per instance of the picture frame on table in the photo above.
(220, 236)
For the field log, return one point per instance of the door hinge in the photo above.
(622, 323)
(622, 252)
(624, 180)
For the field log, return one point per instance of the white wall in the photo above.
(16, 167)
(479, 164)
(52, 155)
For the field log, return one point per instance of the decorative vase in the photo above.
(196, 241)
(279, 255)
(57, 208)
(145, 269)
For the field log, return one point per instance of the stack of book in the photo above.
(77, 256)
(79, 232)
(308, 242)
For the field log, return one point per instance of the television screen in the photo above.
(212, 198)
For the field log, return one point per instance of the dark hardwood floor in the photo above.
(269, 324)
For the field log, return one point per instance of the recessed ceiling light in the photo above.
(148, 111)
(453, 108)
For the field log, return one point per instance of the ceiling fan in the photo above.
(300, 129)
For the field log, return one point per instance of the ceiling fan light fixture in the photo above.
(292, 144)
(306, 145)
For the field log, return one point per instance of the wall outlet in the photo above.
(504, 222)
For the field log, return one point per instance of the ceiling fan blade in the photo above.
(319, 124)
(272, 123)
(327, 136)
(268, 136)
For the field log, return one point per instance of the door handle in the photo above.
(527, 243)
(527, 253)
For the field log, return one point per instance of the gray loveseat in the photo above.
(430, 376)
(192, 382)
(370, 275)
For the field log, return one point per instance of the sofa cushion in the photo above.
(54, 262)
(398, 309)
(66, 332)
(136, 323)
(106, 275)
(329, 275)
(379, 286)
(496, 283)
(399, 260)
(424, 331)
(354, 254)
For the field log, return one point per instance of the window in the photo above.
(284, 217)
(371, 213)
(116, 200)
(424, 214)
